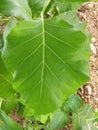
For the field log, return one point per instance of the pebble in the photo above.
(88, 90)
(94, 39)
(93, 48)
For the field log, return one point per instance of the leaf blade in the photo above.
(59, 120)
(38, 60)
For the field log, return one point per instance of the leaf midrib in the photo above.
(43, 58)
(4, 78)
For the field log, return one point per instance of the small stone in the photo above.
(93, 48)
(93, 39)
(90, 5)
(88, 90)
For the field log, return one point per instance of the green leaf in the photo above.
(71, 17)
(0, 101)
(44, 118)
(72, 104)
(21, 108)
(11, 23)
(49, 61)
(1, 42)
(6, 91)
(5, 81)
(67, 6)
(96, 116)
(36, 6)
(71, 1)
(59, 120)
(9, 104)
(19, 8)
(83, 119)
(6, 122)
(25, 110)
(62, 116)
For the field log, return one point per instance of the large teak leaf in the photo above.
(48, 60)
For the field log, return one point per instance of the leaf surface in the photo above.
(6, 123)
(6, 91)
(67, 5)
(36, 6)
(5, 81)
(19, 8)
(48, 60)
(72, 104)
(1, 42)
(71, 1)
(59, 120)
(9, 104)
(6, 78)
(83, 119)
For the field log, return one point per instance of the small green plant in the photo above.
(44, 59)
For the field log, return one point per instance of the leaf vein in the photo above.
(31, 54)
(26, 28)
(59, 58)
(18, 45)
(68, 44)
(55, 25)
(31, 73)
(5, 79)
(52, 72)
